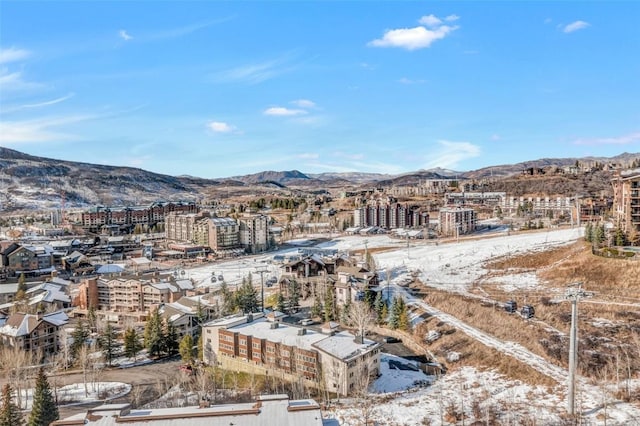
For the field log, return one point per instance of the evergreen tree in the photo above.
(588, 232)
(132, 343)
(228, 300)
(403, 316)
(201, 316)
(247, 297)
(385, 313)
(280, 302)
(80, 335)
(153, 334)
(293, 299)
(329, 306)
(107, 342)
(9, 413)
(316, 309)
(44, 410)
(186, 349)
(599, 234)
(394, 315)
(619, 237)
(378, 306)
(92, 319)
(344, 313)
(169, 343)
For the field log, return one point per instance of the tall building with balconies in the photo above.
(254, 233)
(626, 200)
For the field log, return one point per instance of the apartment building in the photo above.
(33, 260)
(127, 217)
(457, 221)
(35, 333)
(626, 200)
(390, 216)
(129, 295)
(181, 227)
(254, 342)
(254, 233)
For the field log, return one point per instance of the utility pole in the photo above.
(574, 294)
(262, 272)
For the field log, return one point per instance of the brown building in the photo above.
(35, 333)
(256, 343)
(129, 295)
(626, 201)
(128, 217)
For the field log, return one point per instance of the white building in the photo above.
(254, 233)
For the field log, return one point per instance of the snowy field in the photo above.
(77, 393)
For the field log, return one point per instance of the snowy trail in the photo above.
(512, 349)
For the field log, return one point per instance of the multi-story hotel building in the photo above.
(254, 233)
(626, 200)
(390, 216)
(456, 221)
(35, 333)
(254, 342)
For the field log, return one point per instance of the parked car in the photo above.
(391, 339)
(307, 321)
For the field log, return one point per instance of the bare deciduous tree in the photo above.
(361, 317)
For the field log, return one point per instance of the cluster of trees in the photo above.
(245, 299)
(399, 315)
(44, 410)
(160, 336)
(595, 234)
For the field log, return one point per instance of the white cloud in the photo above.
(451, 154)
(413, 38)
(220, 127)
(257, 73)
(430, 21)
(13, 82)
(308, 156)
(12, 55)
(452, 18)
(575, 26)
(284, 112)
(39, 104)
(41, 130)
(405, 80)
(124, 35)
(617, 140)
(304, 103)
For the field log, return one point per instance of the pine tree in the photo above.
(80, 335)
(403, 316)
(9, 413)
(293, 299)
(107, 342)
(280, 302)
(378, 305)
(344, 313)
(186, 349)
(132, 343)
(169, 343)
(44, 410)
(153, 334)
(247, 297)
(316, 309)
(385, 313)
(200, 348)
(228, 299)
(588, 232)
(394, 316)
(329, 306)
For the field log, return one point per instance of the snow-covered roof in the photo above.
(139, 261)
(343, 346)
(111, 268)
(184, 284)
(268, 410)
(284, 333)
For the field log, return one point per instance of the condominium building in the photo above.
(456, 221)
(390, 216)
(626, 200)
(35, 333)
(254, 233)
(129, 294)
(180, 227)
(340, 361)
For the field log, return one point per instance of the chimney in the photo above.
(302, 331)
(273, 325)
(249, 317)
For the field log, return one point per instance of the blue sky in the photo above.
(217, 89)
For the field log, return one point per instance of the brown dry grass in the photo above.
(612, 280)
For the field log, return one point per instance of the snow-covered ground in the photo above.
(76, 393)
